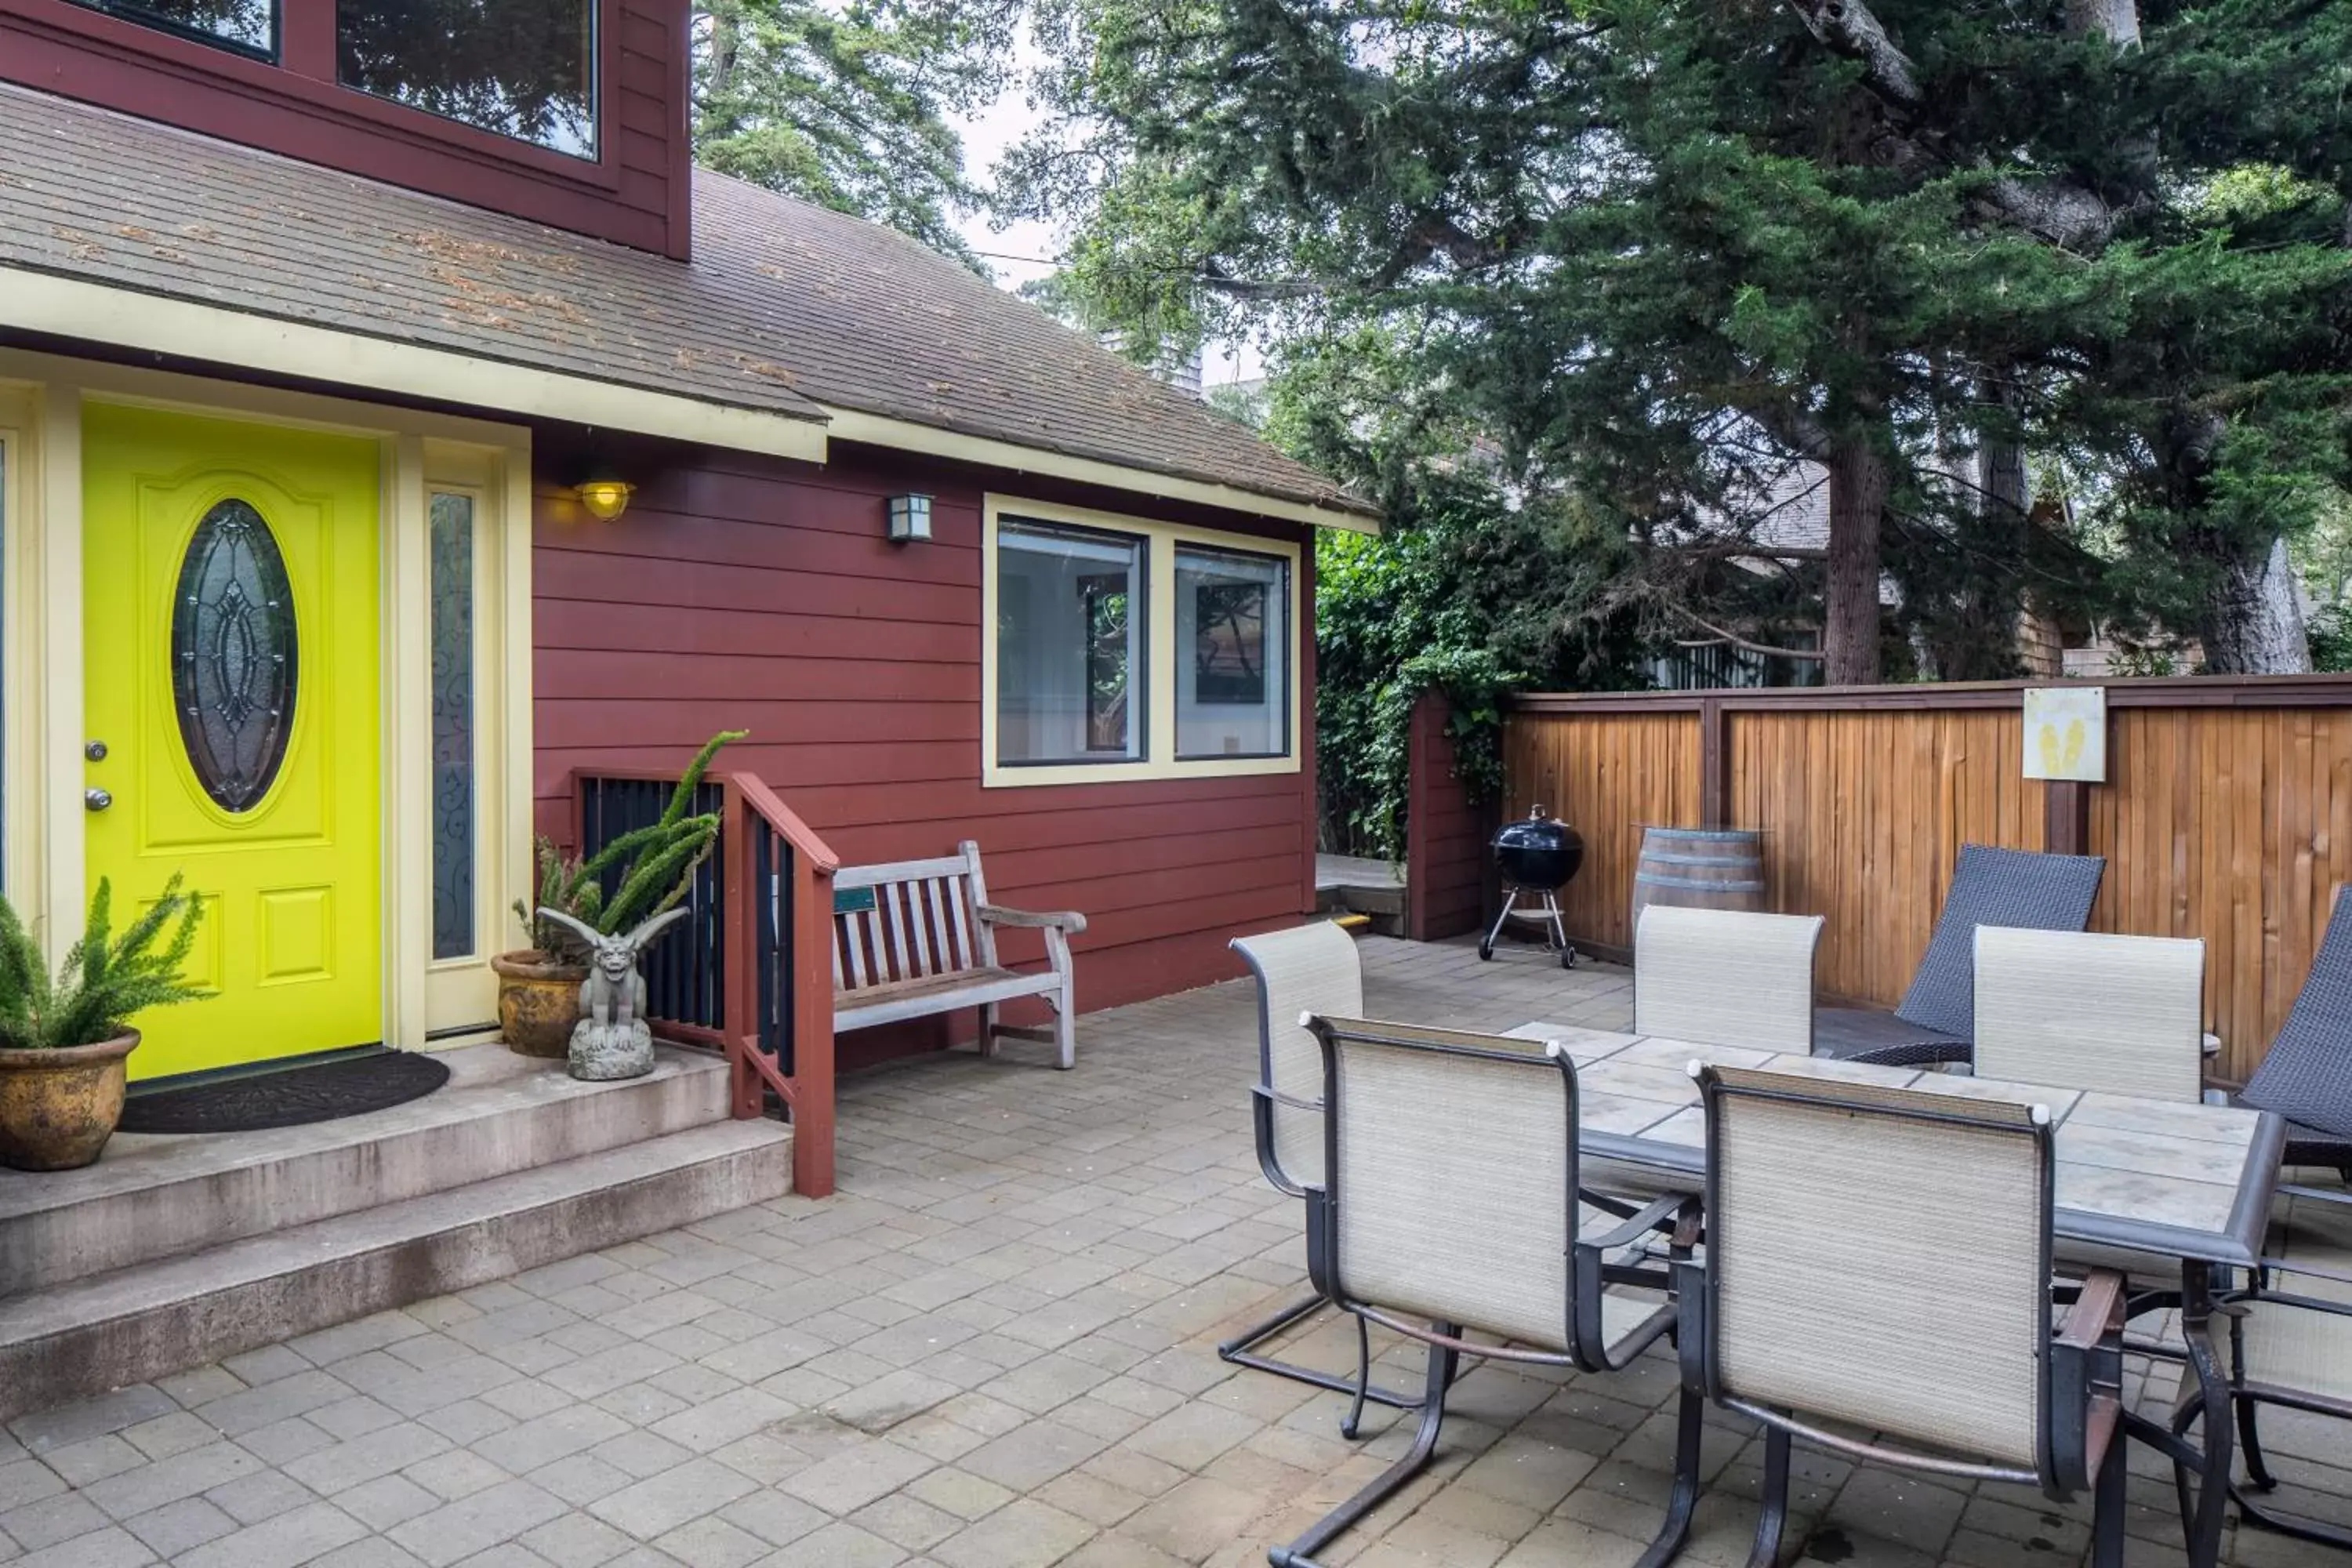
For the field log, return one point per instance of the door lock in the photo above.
(97, 799)
(95, 751)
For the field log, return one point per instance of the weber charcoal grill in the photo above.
(1536, 857)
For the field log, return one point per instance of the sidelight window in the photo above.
(452, 555)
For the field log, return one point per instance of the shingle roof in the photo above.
(786, 307)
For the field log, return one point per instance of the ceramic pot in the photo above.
(538, 1001)
(58, 1108)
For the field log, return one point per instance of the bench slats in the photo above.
(900, 871)
(922, 947)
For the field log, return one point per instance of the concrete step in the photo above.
(155, 1196)
(155, 1318)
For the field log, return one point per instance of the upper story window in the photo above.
(249, 26)
(525, 69)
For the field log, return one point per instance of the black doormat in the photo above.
(292, 1097)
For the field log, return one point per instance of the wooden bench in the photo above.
(918, 938)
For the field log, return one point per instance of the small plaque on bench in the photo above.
(853, 900)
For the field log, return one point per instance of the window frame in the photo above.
(1158, 758)
(1140, 707)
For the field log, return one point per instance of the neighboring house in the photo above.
(307, 348)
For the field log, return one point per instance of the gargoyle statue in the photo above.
(612, 1039)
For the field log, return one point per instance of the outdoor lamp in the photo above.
(910, 518)
(605, 498)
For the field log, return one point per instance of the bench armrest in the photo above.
(1061, 920)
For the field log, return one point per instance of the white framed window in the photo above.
(1118, 647)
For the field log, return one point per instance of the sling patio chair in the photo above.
(1877, 1282)
(1451, 1205)
(2084, 1010)
(2307, 1077)
(1312, 968)
(2290, 1344)
(1933, 1024)
(1723, 977)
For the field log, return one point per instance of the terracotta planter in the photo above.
(58, 1108)
(538, 1001)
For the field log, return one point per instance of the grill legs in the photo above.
(1555, 928)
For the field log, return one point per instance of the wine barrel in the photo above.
(1698, 867)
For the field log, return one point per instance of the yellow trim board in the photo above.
(128, 318)
(1159, 760)
(875, 429)
(67, 307)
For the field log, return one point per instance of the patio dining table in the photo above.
(2145, 1185)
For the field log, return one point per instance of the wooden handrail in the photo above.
(787, 821)
(772, 866)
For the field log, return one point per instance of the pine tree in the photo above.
(847, 106)
(1664, 252)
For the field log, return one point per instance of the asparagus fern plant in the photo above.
(105, 979)
(649, 868)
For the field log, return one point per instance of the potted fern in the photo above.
(64, 1042)
(648, 870)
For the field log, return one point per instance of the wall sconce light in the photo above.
(605, 500)
(910, 518)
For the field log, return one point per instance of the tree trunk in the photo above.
(1858, 487)
(2253, 622)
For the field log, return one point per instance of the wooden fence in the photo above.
(2227, 815)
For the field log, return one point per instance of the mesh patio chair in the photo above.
(1451, 1206)
(2113, 1015)
(1878, 1263)
(2290, 1344)
(1721, 977)
(2307, 1077)
(1313, 968)
(2018, 888)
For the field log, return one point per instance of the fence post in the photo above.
(1714, 764)
(2066, 817)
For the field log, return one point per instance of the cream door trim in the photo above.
(41, 399)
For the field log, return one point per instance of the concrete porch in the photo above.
(994, 1349)
(173, 1251)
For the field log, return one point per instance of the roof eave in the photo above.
(906, 436)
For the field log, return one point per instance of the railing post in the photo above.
(741, 1007)
(811, 957)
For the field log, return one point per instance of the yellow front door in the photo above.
(232, 702)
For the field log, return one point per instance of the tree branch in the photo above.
(1720, 635)
(1847, 28)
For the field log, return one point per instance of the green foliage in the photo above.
(847, 106)
(649, 869)
(1650, 254)
(104, 981)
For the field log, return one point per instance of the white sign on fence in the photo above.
(2066, 733)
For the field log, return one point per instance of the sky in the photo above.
(1024, 251)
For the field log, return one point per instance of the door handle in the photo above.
(97, 799)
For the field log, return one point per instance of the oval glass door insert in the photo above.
(234, 655)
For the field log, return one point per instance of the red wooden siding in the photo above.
(1446, 838)
(741, 593)
(636, 194)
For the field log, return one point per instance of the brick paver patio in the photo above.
(994, 1349)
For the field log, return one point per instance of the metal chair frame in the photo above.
(2247, 1397)
(1591, 1272)
(2081, 1439)
(1242, 1349)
